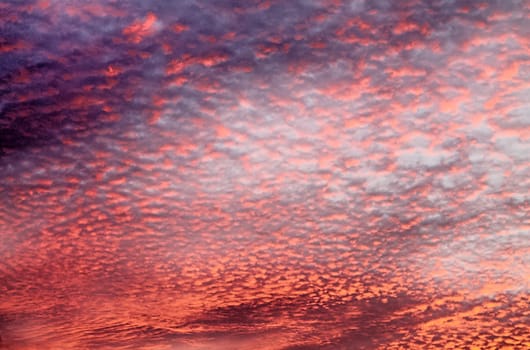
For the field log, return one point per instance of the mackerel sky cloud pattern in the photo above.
(281, 175)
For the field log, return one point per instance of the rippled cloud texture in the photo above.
(302, 174)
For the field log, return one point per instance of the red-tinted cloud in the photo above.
(276, 175)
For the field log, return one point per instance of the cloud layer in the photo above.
(264, 174)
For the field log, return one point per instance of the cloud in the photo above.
(310, 174)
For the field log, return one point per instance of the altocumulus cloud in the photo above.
(264, 174)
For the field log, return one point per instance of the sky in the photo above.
(264, 174)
